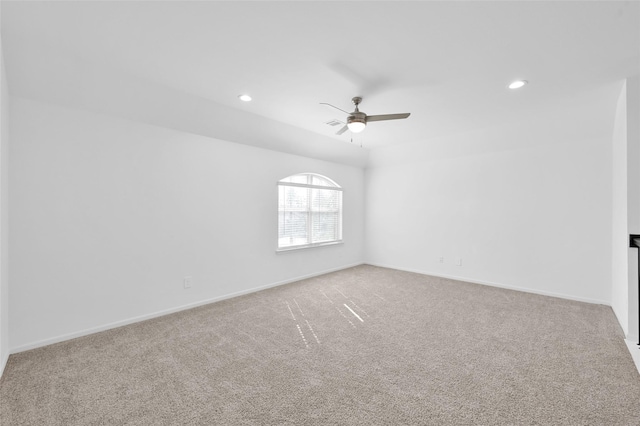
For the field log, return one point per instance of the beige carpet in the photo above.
(361, 346)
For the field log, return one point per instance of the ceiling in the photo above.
(447, 63)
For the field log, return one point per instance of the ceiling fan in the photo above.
(357, 120)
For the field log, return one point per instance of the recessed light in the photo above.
(244, 98)
(517, 84)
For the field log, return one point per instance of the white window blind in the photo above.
(309, 211)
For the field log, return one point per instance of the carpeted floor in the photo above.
(363, 346)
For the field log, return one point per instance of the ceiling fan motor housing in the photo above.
(357, 117)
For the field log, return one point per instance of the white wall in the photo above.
(4, 218)
(109, 215)
(626, 207)
(524, 206)
(620, 250)
(633, 195)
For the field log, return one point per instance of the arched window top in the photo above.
(310, 179)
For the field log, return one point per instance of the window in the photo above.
(309, 211)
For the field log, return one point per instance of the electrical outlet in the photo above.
(187, 282)
(458, 261)
(441, 259)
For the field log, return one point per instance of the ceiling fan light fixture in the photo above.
(357, 121)
(356, 126)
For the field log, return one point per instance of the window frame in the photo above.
(309, 210)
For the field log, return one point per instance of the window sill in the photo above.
(308, 246)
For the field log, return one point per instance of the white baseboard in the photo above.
(3, 363)
(623, 324)
(634, 349)
(499, 285)
(116, 324)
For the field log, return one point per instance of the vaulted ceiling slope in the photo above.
(183, 64)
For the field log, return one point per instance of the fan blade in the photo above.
(387, 117)
(324, 103)
(341, 131)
